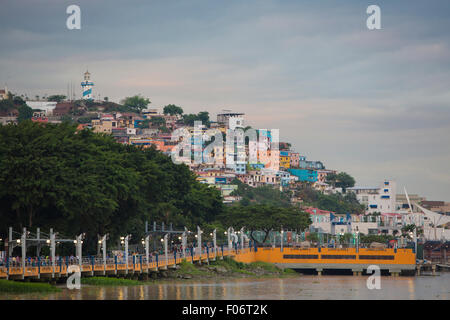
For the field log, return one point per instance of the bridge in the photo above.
(394, 260)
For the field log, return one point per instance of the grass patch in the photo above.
(105, 281)
(10, 286)
(229, 264)
(289, 272)
(265, 266)
(188, 268)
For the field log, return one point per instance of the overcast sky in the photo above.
(373, 103)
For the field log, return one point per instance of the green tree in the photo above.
(157, 121)
(313, 237)
(54, 176)
(136, 103)
(172, 110)
(265, 218)
(341, 180)
(203, 116)
(25, 113)
(56, 97)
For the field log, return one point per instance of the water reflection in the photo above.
(302, 287)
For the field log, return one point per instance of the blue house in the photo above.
(304, 174)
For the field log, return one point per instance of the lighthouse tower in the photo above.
(87, 85)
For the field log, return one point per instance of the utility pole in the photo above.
(53, 250)
(38, 246)
(230, 245)
(23, 243)
(79, 249)
(103, 244)
(215, 243)
(199, 243)
(281, 239)
(147, 248)
(166, 253)
(127, 238)
(242, 238)
(184, 241)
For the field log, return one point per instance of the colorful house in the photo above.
(304, 175)
(285, 159)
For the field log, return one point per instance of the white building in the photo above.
(377, 199)
(231, 120)
(46, 107)
(4, 93)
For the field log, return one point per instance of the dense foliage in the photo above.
(203, 116)
(266, 218)
(172, 110)
(79, 181)
(136, 103)
(341, 180)
(262, 195)
(338, 203)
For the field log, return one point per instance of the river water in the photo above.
(293, 288)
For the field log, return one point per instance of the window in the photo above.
(338, 256)
(367, 257)
(300, 256)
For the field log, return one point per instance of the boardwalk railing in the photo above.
(38, 268)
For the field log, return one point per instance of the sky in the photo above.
(372, 103)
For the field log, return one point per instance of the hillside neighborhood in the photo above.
(302, 182)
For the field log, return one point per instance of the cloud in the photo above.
(372, 103)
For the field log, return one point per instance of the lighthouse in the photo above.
(87, 85)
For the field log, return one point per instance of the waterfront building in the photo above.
(436, 206)
(401, 202)
(380, 199)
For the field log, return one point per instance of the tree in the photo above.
(203, 116)
(338, 203)
(158, 121)
(6, 105)
(25, 113)
(313, 237)
(56, 97)
(341, 180)
(265, 218)
(74, 181)
(173, 110)
(106, 99)
(136, 103)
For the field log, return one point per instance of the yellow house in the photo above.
(285, 162)
(101, 126)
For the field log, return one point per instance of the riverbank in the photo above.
(220, 269)
(8, 286)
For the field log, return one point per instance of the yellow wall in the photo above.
(403, 256)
